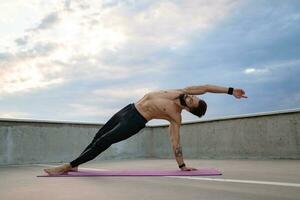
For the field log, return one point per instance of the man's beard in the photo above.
(182, 100)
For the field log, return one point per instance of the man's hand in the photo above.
(188, 169)
(239, 93)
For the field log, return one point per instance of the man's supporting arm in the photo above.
(175, 141)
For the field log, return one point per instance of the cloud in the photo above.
(12, 114)
(20, 16)
(88, 110)
(104, 102)
(114, 95)
(24, 73)
(255, 71)
(48, 21)
(122, 92)
(273, 68)
(5, 56)
(21, 41)
(125, 48)
(108, 41)
(172, 22)
(67, 5)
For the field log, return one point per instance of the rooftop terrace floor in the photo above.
(241, 179)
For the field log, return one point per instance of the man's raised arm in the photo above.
(202, 89)
(175, 140)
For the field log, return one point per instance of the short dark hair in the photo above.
(200, 110)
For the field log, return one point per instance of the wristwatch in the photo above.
(230, 91)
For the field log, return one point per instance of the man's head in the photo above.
(195, 105)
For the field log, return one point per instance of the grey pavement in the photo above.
(241, 179)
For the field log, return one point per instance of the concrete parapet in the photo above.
(274, 135)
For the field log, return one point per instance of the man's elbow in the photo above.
(176, 145)
(205, 88)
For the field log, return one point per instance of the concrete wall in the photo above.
(262, 136)
(43, 142)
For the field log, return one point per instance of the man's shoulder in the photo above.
(175, 112)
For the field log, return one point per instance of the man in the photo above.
(165, 104)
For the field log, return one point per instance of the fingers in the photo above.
(240, 93)
(241, 96)
(189, 169)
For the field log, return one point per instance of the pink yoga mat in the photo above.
(199, 172)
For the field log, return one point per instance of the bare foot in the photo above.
(58, 170)
(74, 169)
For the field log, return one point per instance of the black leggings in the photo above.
(122, 125)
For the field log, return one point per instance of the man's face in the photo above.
(191, 101)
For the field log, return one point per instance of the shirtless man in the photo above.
(164, 104)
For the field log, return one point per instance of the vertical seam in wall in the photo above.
(10, 145)
(152, 143)
(297, 138)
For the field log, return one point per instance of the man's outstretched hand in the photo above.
(187, 169)
(239, 93)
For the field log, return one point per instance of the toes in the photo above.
(55, 171)
(47, 171)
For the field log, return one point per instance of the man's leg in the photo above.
(67, 167)
(119, 132)
(123, 125)
(106, 127)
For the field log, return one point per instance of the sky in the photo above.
(82, 61)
